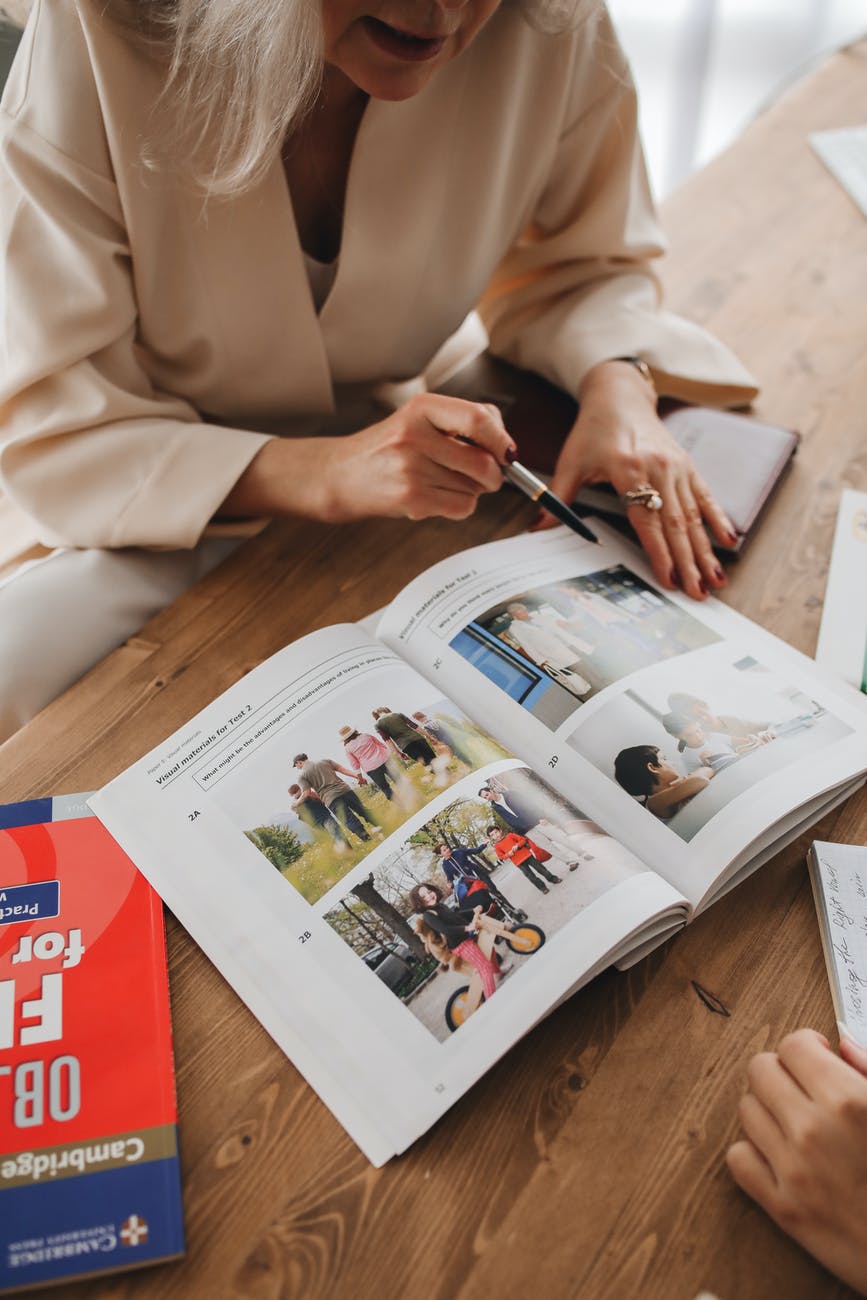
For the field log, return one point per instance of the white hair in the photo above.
(242, 73)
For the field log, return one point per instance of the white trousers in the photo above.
(60, 615)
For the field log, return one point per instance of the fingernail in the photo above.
(719, 574)
(675, 579)
(702, 586)
(510, 455)
(732, 537)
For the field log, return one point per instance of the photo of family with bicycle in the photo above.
(555, 647)
(462, 903)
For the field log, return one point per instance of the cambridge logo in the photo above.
(133, 1231)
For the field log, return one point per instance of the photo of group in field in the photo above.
(555, 647)
(345, 780)
(465, 901)
(684, 744)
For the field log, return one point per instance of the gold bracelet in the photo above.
(641, 366)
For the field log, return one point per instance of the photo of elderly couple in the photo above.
(345, 781)
(685, 743)
(467, 900)
(555, 647)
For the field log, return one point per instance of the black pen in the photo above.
(527, 482)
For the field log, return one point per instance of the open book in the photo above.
(403, 850)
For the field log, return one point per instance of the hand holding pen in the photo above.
(434, 455)
(527, 482)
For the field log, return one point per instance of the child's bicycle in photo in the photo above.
(524, 939)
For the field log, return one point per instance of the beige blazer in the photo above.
(150, 343)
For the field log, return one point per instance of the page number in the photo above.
(302, 938)
(552, 761)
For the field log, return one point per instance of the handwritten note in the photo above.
(839, 874)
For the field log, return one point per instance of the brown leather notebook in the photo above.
(741, 458)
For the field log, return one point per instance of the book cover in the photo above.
(89, 1173)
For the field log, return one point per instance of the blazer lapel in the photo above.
(395, 195)
(260, 294)
(290, 358)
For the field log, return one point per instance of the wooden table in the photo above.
(589, 1162)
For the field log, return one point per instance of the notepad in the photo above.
(838, 873)
(844, 153)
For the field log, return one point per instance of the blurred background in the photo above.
(704, 68)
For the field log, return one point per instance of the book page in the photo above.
(838, 874)
(683, 728)
(290, 826)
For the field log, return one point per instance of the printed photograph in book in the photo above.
(326, 792)
(466, 901)
(692, 737)
(555, 647)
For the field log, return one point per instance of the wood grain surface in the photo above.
(589, 1163)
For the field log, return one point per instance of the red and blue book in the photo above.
(89, 1172)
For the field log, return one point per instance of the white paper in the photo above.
(839, 877)
(844, 153)
(842, 646)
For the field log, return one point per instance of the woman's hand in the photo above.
(434, 456)
(619, 439)
(804, 1158)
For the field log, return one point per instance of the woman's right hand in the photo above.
(804, 1154)
(435, 455)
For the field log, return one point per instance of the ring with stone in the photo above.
(643, 495)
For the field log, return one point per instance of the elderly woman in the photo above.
(225, 224)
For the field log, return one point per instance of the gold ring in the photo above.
(643, 495)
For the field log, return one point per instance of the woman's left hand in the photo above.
(619, 439)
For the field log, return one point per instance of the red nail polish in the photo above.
(732, 537)
(719, 574)
(702, 586)
(511, 455)
(675, 579)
